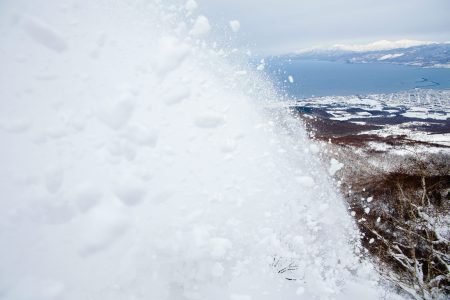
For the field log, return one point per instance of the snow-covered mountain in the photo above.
(416, 53)
(381, 45)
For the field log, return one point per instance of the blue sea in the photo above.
(324, 78)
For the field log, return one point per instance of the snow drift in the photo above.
(138, 164)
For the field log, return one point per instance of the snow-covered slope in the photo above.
(137, 164)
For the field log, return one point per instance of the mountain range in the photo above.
(427, 54)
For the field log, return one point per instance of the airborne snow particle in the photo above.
(117, 115)
(334, 166)
(170, 54)
(177, 96)
(219, 247)
(240, 297)
(209, 121)
(291, 79)
(140, 135)
(54, 179)
(103, 227)
(201, 27)
(228, 146)
(15, 125)
(191, 5)
(130, 194)
(86, 197)
(306, 181)
(261, 67)
(300, 291)
(235, 25)
(314, 148)
(217, 270)
(43, 34)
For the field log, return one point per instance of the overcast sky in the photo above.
(274, 26)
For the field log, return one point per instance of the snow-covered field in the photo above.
(136, 163)
(419, 116)
(424, 100)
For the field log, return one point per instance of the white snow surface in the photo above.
(391, 56)
(142, 167)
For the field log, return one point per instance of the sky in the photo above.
(280, 26)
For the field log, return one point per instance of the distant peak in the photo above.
(381, 45)
(375, 46)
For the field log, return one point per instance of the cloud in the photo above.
(285, 25)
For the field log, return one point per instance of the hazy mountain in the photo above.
(427, 55)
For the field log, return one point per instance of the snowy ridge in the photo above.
(382, 45)
(375, 46)
(412, 53)
(137, 165)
